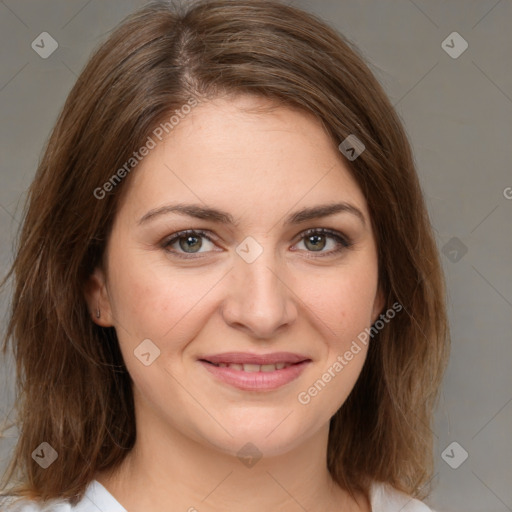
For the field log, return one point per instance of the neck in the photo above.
(166, 467)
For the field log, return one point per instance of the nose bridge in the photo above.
(259, 300)
(262, 277)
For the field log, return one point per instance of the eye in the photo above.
(315, 240)
(189, 242)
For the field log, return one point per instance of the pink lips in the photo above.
(265, 380)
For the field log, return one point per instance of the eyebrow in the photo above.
(212, 214)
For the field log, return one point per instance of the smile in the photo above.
(252, 372)
(253, 367)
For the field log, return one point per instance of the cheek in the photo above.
(150, 301)
(138, 300)
(344, 300)
(343, 312)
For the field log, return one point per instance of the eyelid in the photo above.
(333, 233)
(168, 240)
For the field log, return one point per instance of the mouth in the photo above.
(250, 367)
(253, 372)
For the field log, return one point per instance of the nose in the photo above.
(260, 300)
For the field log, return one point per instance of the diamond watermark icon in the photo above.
(44, 45)
(146, 352)
(454, 45)
(454, 455)
(249, 454)
(454, 249)
(249, 249)
(45, 455)
(351, 147)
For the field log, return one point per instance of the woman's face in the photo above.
(248, 290)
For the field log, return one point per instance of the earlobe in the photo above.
(97, 298)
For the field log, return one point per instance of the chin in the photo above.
(267, 439)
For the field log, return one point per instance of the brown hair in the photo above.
(73, 390)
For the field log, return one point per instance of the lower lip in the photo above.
(256, 381)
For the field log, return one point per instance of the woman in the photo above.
(227, 292)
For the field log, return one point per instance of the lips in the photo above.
(255, 372)
(253, 367)
(245, 358)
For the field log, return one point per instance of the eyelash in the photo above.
(343, 241)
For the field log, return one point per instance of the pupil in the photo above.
(190, 241)
(316, 245)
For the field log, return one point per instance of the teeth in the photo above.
(251, 368)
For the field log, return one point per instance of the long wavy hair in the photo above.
(72, 388)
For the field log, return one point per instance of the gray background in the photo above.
(457, 112)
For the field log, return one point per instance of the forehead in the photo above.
(239, 155)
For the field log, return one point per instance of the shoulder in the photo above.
(95, 498)
(13, 504)
(385, 498)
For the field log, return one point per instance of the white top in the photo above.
(383, 498)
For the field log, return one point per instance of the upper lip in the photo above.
(249, 358)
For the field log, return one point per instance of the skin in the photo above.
(259, 167)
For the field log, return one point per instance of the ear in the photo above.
(97, 298)
(378, 305)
